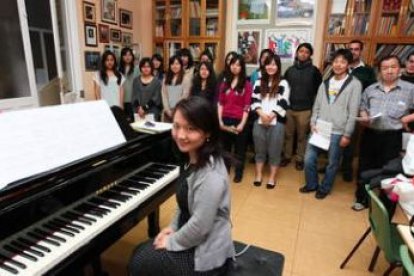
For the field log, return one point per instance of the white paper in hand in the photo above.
(322, 138)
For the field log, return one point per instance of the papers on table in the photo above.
(151, 127)
(38, 140)
(322, 137)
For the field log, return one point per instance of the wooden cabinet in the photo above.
(385, 26)
(193, 24)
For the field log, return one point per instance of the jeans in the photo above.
(311, 160)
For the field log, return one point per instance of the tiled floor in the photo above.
(313, 235)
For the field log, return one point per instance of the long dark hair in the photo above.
(170, 74)
(241, 77)
(102, 72)
(161, 60)
(122, 65)
(202, 116)
(207, 53)
(211, 80)
(262, 53)
(264, 83)
(184, 52)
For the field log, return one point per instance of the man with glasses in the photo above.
(389, 100)
(366, 76)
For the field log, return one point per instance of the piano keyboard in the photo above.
(40, 247)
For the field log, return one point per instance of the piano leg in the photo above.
(154, 223)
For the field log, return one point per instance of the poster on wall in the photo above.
(285, 42)
(109, 11)
(248, 45)
(294, 12)
(253, 12)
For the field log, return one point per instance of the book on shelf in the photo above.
(159, 30)
(400, 50)
(391, 5)
(176, 13)
(211, 27)
(362, 6)
(212, 13)
(195, 9)
(409, 26)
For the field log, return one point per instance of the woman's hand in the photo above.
(161, 241)
(239, 128)
(344, 141)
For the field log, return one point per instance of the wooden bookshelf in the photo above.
(194, 24)
(385, 27)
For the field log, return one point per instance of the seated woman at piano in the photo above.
(198, 241)
(108, 81)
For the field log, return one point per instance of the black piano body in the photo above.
(26, 202)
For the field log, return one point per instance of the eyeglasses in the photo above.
(385, 68)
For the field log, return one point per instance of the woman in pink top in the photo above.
(233, 109)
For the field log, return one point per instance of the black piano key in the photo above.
(33, 244)
(104, 202)
(135, 184)
(101, 209)
(9, 268)
(70, 223)
(147, 175)
(20, 253)
(82, 216)
(121, 189)
(113, 195)
(77, 218)
(4, 258)
(135, 190)
(141, 179)
(57, 228)
(44, 239)
(158, 169)
(90, 209)
(63, 226)
(23, 247)
(47, 233)
(154, 173)
(163, 166)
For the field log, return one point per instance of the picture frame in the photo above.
(89, 12)
(114, 49)
(109, 12)
(103, 33)
(253, 12)
(285, 41)
(249, 45)
(125, 18)
(92, 60)
(293, 12)
(127, 39)
(115, 35)
(91, 38)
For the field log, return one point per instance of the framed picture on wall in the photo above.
(284, 42)
(109, 10)
(293, 12)
(92, 60)
(103, 31)
(91, 38)
(115, 35)
(253, 11)
(126, 39)
(125, 18)
(89, 12)
(248, 45)
(114, 49)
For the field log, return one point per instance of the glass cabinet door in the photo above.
(160, 15)
(212, 18)
(176, 17)
(408, 24)
(195, 49)
(388, 21)
(361, 18)
(337, 17)
(195, 17)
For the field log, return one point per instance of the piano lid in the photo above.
(39, 140)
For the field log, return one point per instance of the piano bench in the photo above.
(255, 261)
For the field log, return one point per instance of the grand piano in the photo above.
(56, 221)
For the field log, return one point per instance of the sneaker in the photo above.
(284, 162)
(320, 195)
(299, 165)
(357, 206)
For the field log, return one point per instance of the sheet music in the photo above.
(37, 140)
(322, 138)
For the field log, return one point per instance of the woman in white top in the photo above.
(108, 81)
(176, 86)
(270, 100)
